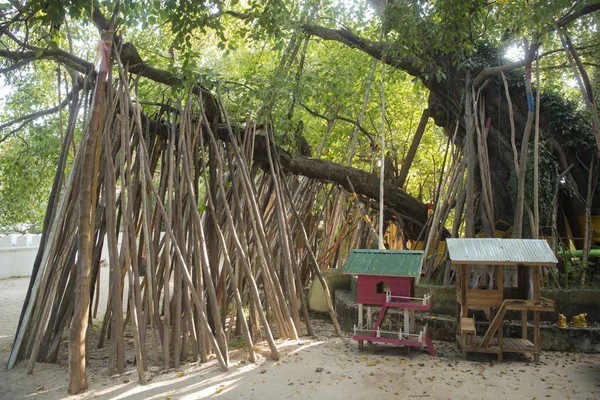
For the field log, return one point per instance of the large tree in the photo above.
(445, 44)
(439, 44)
(163, 79)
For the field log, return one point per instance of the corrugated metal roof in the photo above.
(384, 262)
(500, 251)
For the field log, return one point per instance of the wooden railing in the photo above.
(425, 300)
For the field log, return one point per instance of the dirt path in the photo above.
(325, 367)
(12, 296)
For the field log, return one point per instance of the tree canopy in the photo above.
(241, 48)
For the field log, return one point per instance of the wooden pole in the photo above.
(315, 264)
(382, 166)
(243, 254)
(536, 155)
(522, 171)
(412, 151)
(224, 247)
(78, 335)
(470, 146)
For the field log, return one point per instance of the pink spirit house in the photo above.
(386, 280)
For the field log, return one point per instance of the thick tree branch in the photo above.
(135, 65)
(588, 9)
(489, 72)
(78, 64)
(364, 183)
(129, 56)
(565, 65)
(374, 49)
(14, 131)
(15, 66)
(30, 117)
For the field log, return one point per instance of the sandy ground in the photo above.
(324, 367)
(12, 296)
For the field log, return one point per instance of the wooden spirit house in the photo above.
(476, 258)
(386, 280)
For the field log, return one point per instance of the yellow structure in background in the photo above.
(595, 226)
(394, 240)
(439, 253)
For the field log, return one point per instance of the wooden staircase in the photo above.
(518, 305)
(494, 325)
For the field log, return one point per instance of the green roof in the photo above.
(384, 262)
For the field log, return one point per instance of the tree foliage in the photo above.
(237, 47)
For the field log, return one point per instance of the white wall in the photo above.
(17, 254)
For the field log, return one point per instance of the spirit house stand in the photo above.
(386, 280)
(480, 278)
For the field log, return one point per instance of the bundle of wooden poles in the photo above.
(211, 247)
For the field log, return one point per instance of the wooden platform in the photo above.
(411, 340)
(542, 305)
(509, 345)
(518, 346)
(407, 337)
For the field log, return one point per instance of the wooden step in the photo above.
(467, 326)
